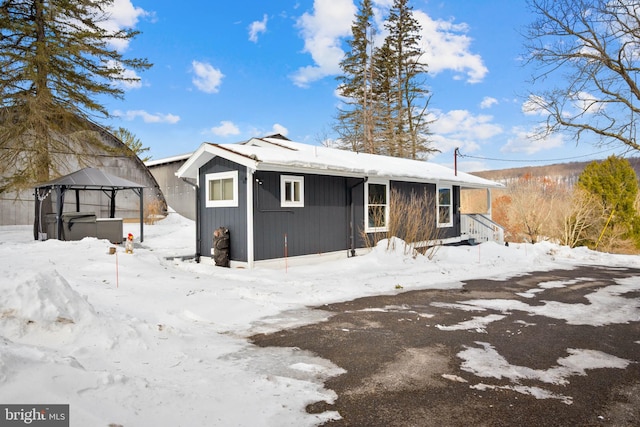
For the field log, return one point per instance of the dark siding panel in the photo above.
(456, 211)
(358, 210)
(318, 227)
(420, 188)
(235, 219)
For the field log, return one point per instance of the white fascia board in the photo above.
(466, 184)
(190, 168)
(272, 167)
(207, 152)
(261, 166)
(480, 183)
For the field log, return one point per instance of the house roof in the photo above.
(277, 154)
(167, 160)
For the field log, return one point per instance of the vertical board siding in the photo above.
(318, 227)
(456, 229)
(420, 188)
(234, 218)
(321, 225)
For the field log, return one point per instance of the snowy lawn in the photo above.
(140, 340)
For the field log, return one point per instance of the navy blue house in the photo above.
(280, 198)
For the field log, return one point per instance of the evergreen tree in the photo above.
(411, 97)
(615, 185)
(56, 60)
(355, 122)
(386, 112)
(385, 99)
(133, 142)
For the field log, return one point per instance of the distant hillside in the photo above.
(566, 173)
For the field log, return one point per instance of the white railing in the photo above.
(478, 228)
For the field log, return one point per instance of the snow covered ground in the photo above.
(141, 340)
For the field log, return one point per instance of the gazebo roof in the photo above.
(91, 179)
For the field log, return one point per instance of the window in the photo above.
(377, 206)
(445, 207)
(222, 189)
(291, 191)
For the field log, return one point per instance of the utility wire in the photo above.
(532, 160)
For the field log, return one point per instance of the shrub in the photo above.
(153, 211)
(412, 218)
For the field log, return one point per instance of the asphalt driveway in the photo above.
(554, 348)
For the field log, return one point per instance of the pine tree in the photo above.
(385, 100)
(411, 96)
(133, 142)
(355, 122)
(56, 60)
(615, 184)
(385, 116)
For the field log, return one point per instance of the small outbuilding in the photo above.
(278, 198)
(74, 225)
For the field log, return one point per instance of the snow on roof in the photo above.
(294, 157)
(167, 160)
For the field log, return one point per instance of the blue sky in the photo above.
(228, 71)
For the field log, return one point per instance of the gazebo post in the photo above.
(112, 204)
(37, 223)
(141, 214)
(59, 205)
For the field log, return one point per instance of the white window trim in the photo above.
(368, 229)
(287, 203)
(450, 222)
(222, 203)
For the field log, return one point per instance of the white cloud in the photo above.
(207, 78)
(130, 74)
(464, 125)
(122, 14)
(125, 74)
(488, 102)
(586, 103)
(256, 28)
(581, 103)
(322, 32)
(226, 128)
(148, 117)
(528, 141)
(278, 128)
(461, 129)
(447, 47)
(534, 106)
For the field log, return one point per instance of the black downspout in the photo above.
(198, 239)
(352, 225)
(141, 195)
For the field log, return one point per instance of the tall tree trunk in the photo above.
(40, 129)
